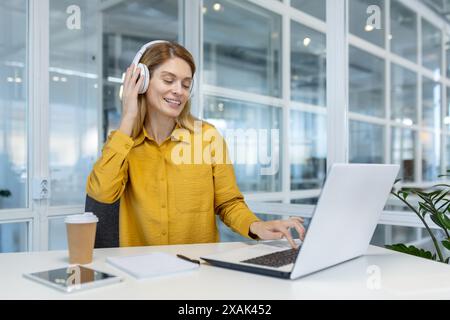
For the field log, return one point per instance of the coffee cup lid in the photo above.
(87, 217)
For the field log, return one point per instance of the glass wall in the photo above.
(447, 111)
(74, 77)
(403, 152)
(242, 52)
(431, 103)
(367, 83)
(308, 150)
(403, 31)
(308, 65)
(242, 47)
(360, 150)
(431, 47)
(448, 154)
(412, 114)
(431, 155)
(14, 237)
(395, 94)
(366, 20)
(403, 95)
(13, 104)
(57, 236)
(242, 55)
(253, 150)
(315, 8)
(308, 133)
(366, 89)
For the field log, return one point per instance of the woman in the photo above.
(165, 200)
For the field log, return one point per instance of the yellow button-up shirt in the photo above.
(169, 193)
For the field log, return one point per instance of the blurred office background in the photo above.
(262, 64)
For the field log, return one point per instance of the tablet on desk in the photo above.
(73, 278)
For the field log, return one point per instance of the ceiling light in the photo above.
(306, 41)
(217, 6)
(368, 28)
(116, 80)
(407, 122)
(447, 120)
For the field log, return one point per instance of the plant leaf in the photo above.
(442, 196)
(412, 250)
(445, 203)
(425, 197)
(434, 194)
(444, 219)
(436, 221)
(427, 207)
(403, 194)
(446, 244)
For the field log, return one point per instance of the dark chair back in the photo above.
(107, 235)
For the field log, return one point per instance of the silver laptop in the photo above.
(342, 226)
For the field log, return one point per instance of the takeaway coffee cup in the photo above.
(81, 230)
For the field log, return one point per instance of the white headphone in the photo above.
(144, 69)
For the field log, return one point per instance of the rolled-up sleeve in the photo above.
(109, 176)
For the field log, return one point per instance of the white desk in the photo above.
(401, 276)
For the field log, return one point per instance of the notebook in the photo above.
(151, 265)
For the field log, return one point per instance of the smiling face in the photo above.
(169, 87)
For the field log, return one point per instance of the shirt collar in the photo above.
(174, 136)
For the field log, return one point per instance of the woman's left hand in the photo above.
(277, 229)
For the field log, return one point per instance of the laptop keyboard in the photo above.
(276, 259)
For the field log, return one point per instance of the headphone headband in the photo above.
(142, 50)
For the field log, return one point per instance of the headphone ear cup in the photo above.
(146, 74)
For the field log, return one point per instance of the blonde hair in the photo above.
(153, 58)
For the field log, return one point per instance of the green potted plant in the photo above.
(434, 202)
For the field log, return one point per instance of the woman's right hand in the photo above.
(130, 94)
(130, 108)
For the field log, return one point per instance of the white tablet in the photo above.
(73, 278)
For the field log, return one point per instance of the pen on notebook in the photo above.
(188, 259)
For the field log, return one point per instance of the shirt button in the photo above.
(163, 205)
(164, 233)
